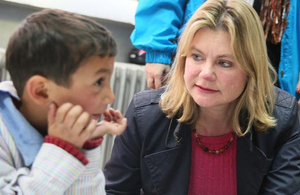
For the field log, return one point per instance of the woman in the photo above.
(280, 18)
(220, 126)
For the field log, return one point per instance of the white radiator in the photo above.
(127, 79)
(3, 73)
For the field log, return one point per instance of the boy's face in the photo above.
(90, 86)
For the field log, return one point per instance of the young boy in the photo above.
(60, 64)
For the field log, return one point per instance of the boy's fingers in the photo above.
(112, 115)
(118, 115)
(95, 131)
(112, 111)
(73, 115)
(115, 128)
(88, 132)
(51, 113)
(81, 124)
(121, 127)
(62, 112)
(124, 123)
(107, 116)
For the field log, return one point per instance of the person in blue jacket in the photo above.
(159, 23)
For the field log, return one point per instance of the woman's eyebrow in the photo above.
(226, 56)
(219, 56)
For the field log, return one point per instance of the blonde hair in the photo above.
(256, 103)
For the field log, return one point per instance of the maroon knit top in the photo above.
(213, 173)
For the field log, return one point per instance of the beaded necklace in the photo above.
(206, 149)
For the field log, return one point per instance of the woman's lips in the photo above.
(206, 90)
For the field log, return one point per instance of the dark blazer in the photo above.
(154, 152)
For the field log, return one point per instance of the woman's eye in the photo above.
(196, 57)
(225, 64)
(99, 82)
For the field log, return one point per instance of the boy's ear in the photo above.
(36, 89)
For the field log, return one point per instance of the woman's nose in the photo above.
(207, 71)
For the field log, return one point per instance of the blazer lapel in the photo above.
(251, 167)
(170, 168)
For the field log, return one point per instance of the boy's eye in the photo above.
(99, 82)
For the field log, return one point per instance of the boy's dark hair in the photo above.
(53, 44)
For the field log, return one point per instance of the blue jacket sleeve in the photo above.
(157, 25)
(289, 66)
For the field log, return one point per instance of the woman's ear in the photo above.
(36, 90)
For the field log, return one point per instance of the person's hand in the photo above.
(156, 74)
(72, 124)
(298, 87)
(113, 122)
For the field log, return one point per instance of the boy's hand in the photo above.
(71, 124)
(113, 123)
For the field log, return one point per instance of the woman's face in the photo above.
(212, 76)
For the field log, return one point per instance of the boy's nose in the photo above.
(110, 97)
